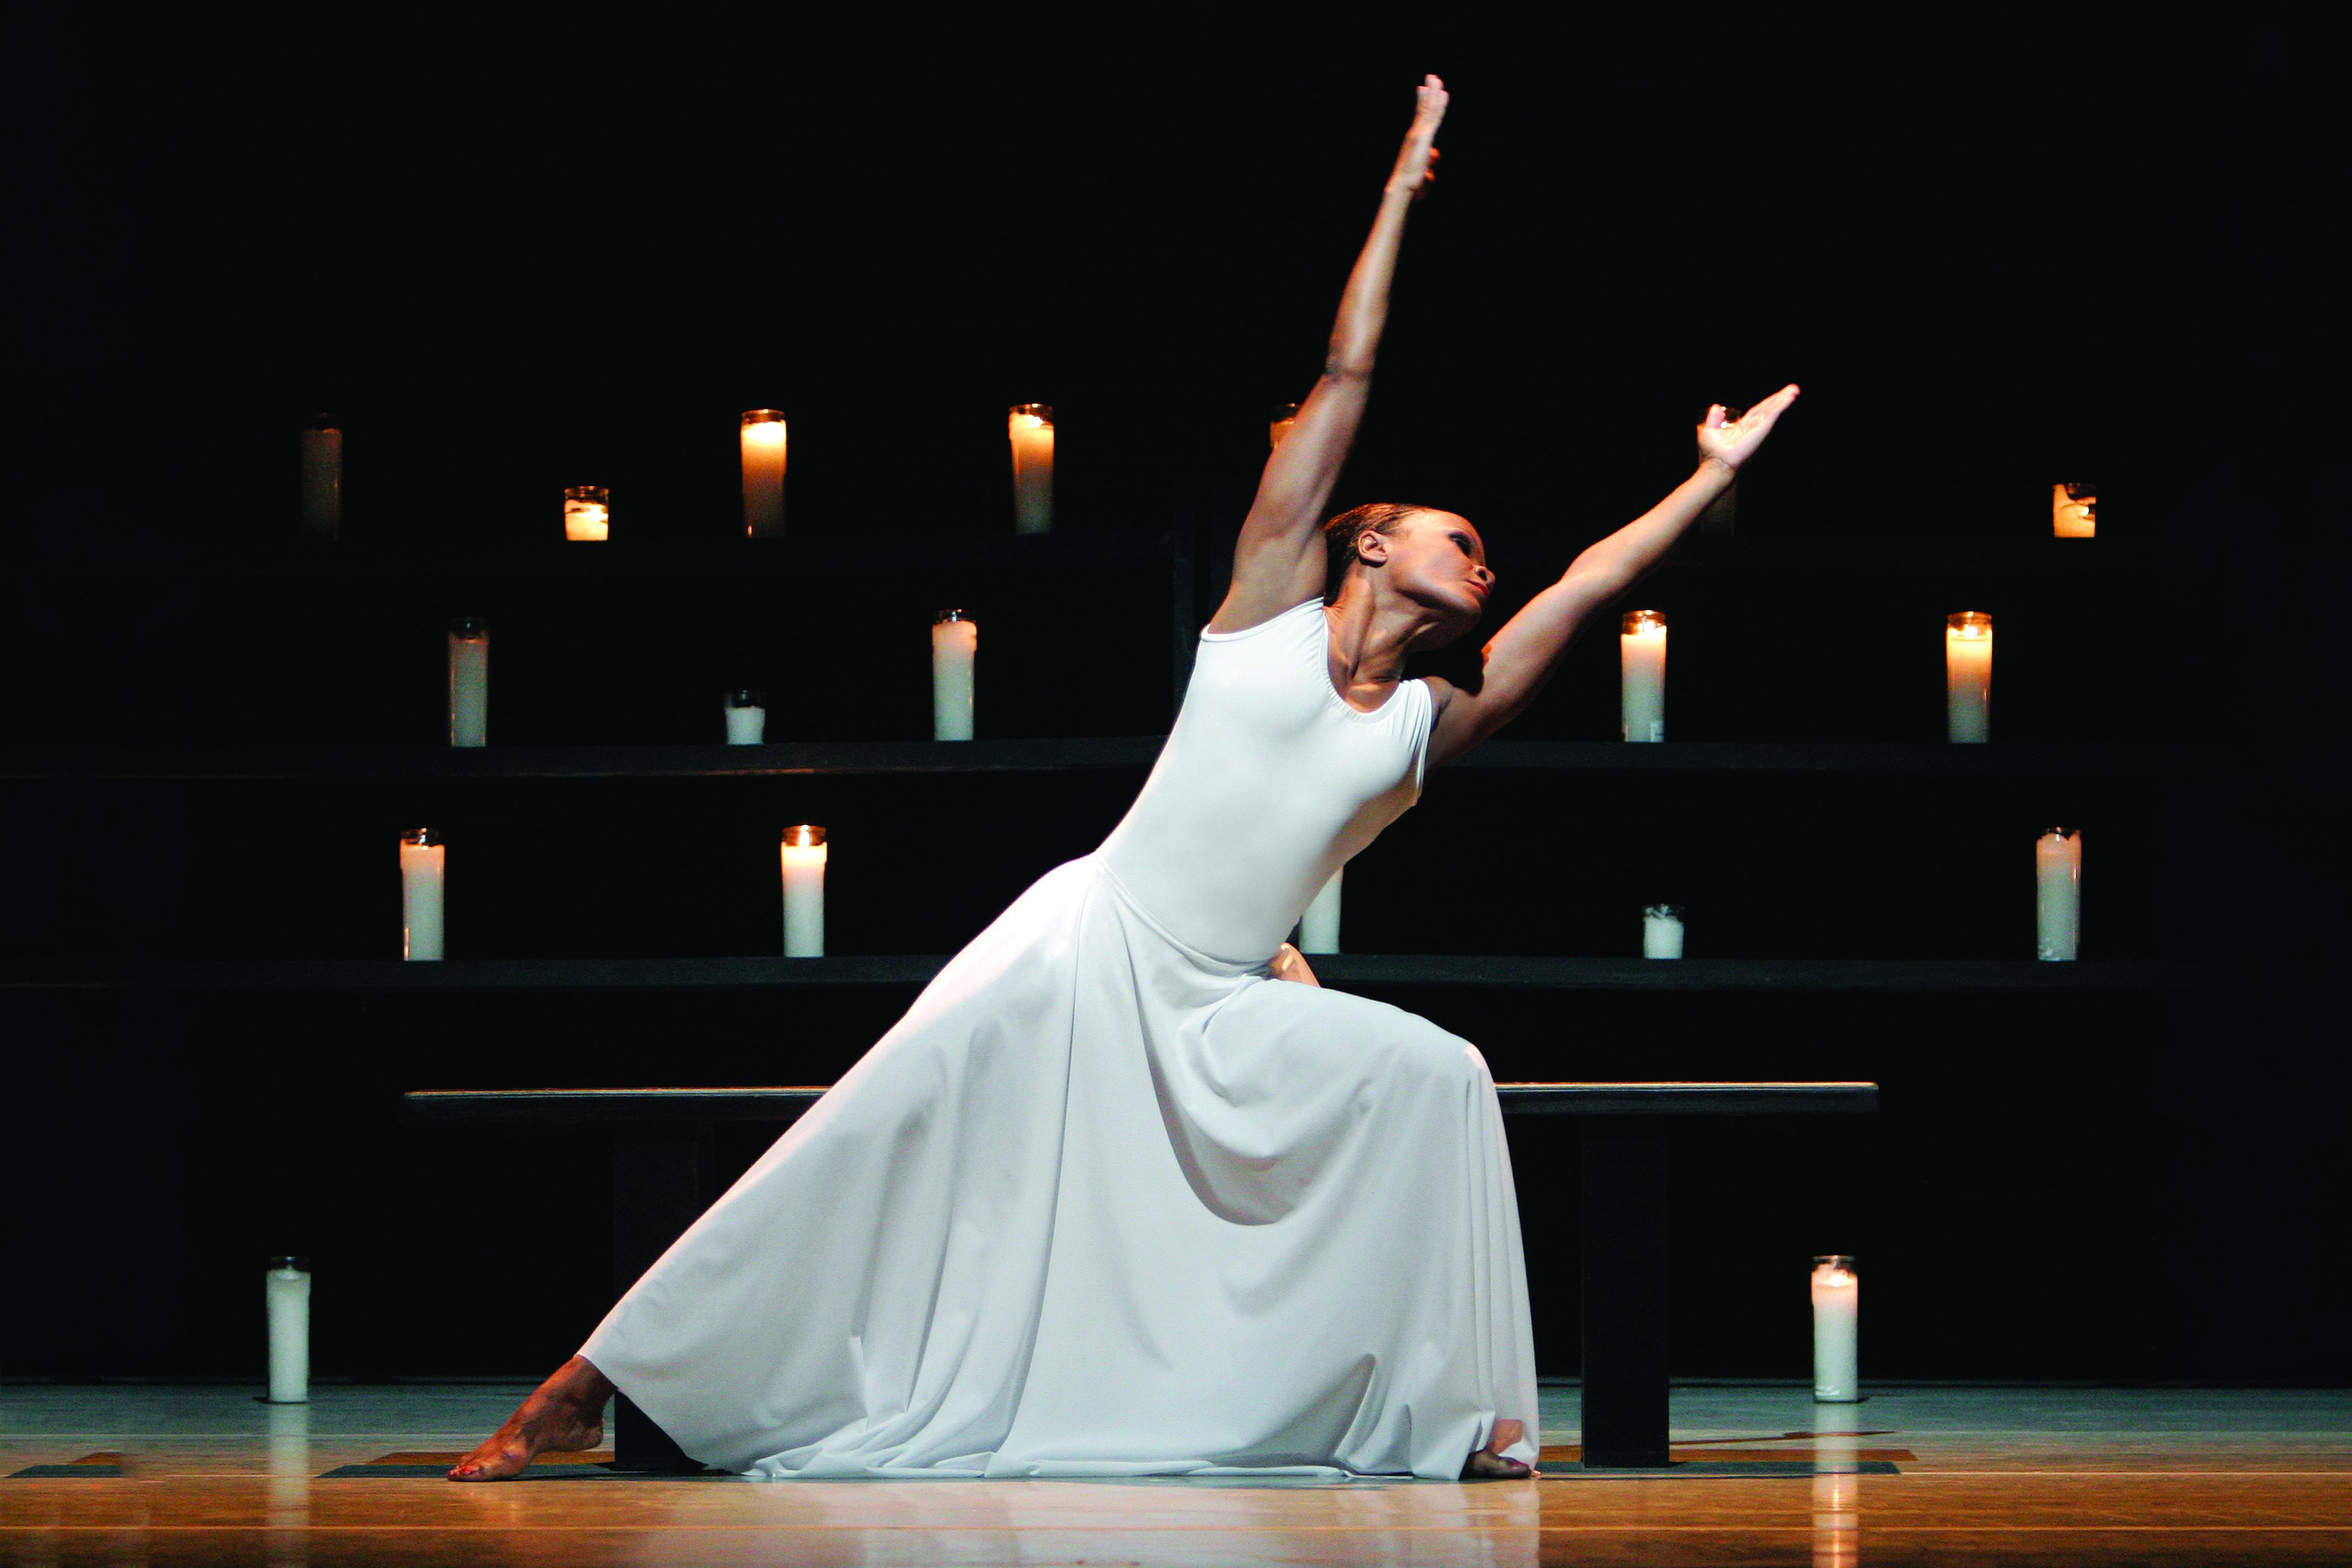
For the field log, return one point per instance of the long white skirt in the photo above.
(1100, 1204)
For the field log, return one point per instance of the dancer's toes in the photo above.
(1488, 1466)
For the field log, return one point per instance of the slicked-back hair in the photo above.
(1339, 537)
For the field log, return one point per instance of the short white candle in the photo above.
(747, 717)
(423, 873)
(587, 513)
(285, 1287)
(1031, 428)
(804, 851)
(1836, 1296)
(2057, 895)
(955, 643)
(2075, 511)
(1278, 430)
(1318, 928)
(1641, 659)
(323, 477)
(1967, 677)
(1662, 932)
(764, 473)
(469, 683)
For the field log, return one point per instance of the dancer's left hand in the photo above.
(1732, 442)
(1289, 964)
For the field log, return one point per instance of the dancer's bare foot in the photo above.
(1489, 1464)
(566, 1414)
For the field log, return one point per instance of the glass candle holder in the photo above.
(1837, 1294)
(587, 513)
(469, 681)
(1031, 426)
(1721, 517)
(803, 854)
(2074, 510)
(763, 435)
(1641, 659)
(747, 717)
(1967, 677)
(321, 442)
(2058, 895)
(1662, 931)
(1278, 423)
(1319, 927)
(955, 647)
(423, 883)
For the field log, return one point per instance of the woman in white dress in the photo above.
(1126, 1192)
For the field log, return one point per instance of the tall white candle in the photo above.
(2075, 511)
(1662, 932)
(764, 473)
(1279, 429)
(2058, 895)
(955, 644)
(1031, 428)
(1967, 676)
(322, 476)
(1641, 659)
(1318, 928)
(587, 513)
(804, 852)
(286, 1294)
(424, 872)
(747, 717)
(469, 682)
(1837, 1293)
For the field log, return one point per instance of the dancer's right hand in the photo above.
(1416, 165)
(1289, 964)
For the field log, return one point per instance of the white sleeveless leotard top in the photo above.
(1269, 781)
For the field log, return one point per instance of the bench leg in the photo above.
(1624, 1258)
(662, 1179)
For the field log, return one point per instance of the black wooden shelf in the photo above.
(1346, 971)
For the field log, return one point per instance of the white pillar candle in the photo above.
(804, 852)
(1318, 928)
(424, 872)
(1278, 428)
(323, 477)
(764, 473)
(1662, 932)
(747, 717)
(1836, 1296)
(1641, 657)
(469, 682)
(955, 643)
(1967, 677)
(587, 513)
(287, 1291)
(2057, 895)
(2075, 511)
(1031, 428)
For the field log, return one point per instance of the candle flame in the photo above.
(766, 433)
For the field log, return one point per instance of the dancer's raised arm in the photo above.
(1519, 658)
(1279, 558)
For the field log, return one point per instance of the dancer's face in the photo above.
(1437, 560)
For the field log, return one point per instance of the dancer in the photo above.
(1126, 1192)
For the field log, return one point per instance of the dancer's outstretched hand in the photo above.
(1732, 441)
(1416, 165)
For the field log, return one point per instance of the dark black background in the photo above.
(566, 246)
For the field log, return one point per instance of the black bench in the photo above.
(664, 1175)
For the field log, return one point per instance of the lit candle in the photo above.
(2074, 510)
(1318, 928)
(1967, 676)
(587, 512)
(747, 717)
(1641, 657)
(764, 473)
(323, 475)
(1721, 517)
(1278, 428)
(2058, 895)
(955, 642)
(1031, 427)
(424, 870)
(1662, 932)
(1836, 1295)
(287, 1292)
(804, 851)
(469, 682)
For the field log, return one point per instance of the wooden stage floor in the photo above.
(208, 1475)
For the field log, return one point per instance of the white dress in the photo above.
(1110, 1201)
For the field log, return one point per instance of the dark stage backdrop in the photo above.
(523, 250)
